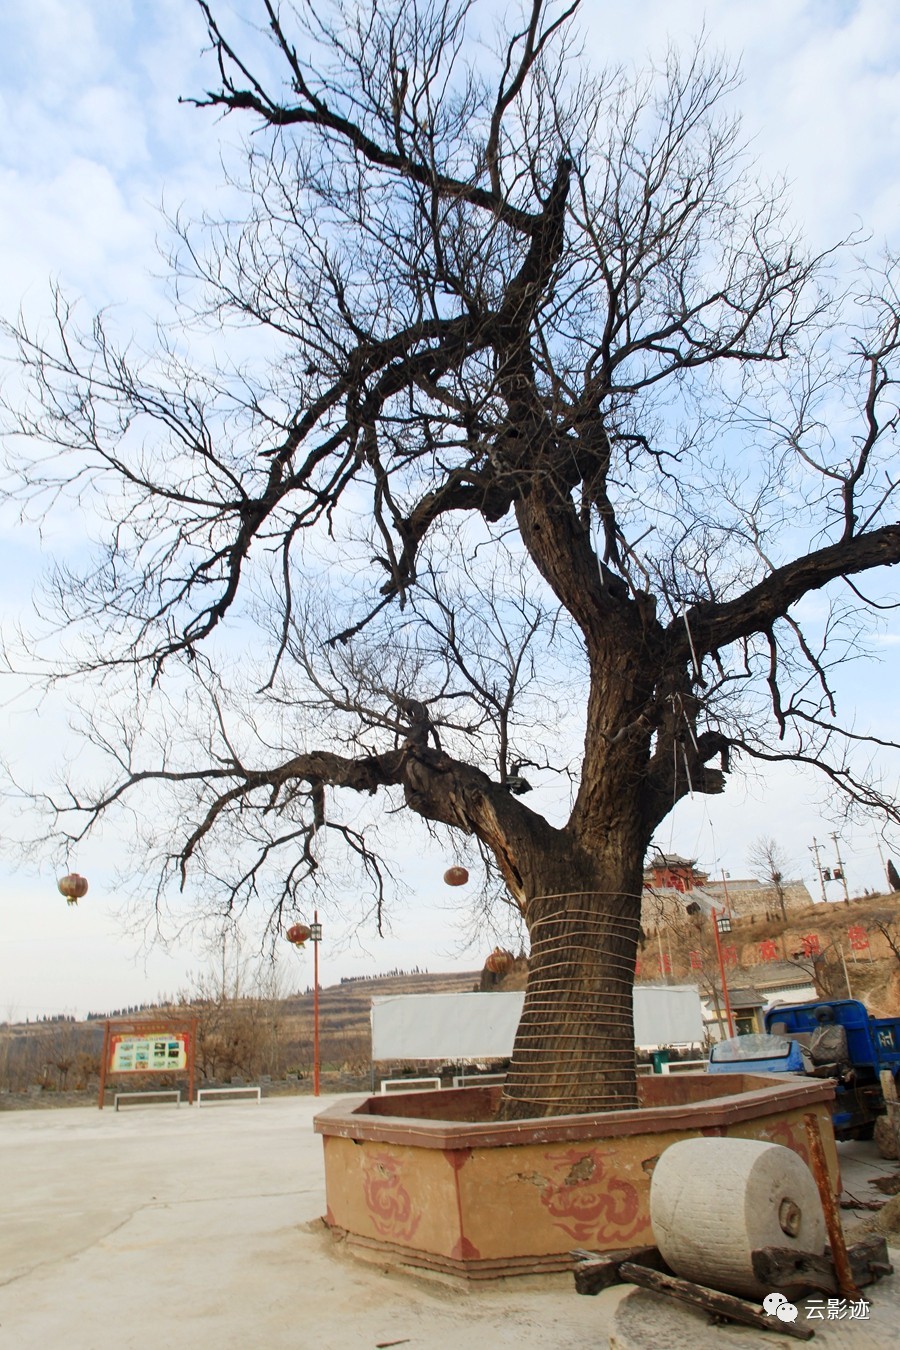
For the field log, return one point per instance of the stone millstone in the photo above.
(713, 1202)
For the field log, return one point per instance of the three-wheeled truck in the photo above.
(827, 1038)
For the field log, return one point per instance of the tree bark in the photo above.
(574, 1049)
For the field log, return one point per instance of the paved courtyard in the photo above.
(165, 1228)
(159, 1228)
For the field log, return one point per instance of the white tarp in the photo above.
(667, 1015)
(456, 1027)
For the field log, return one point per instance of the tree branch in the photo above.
(716, 625)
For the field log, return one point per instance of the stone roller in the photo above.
(713, 1202)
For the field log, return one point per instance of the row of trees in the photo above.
(60, 1056)
(553, 426)
(249, 1040)
(351, 979)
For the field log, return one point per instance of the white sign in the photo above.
(457, 1027)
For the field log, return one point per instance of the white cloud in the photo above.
(820, 97)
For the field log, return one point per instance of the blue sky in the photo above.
(93, 140)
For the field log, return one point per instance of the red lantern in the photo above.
(73, 887)
(456, 876)
(499, 961)
(297, 934)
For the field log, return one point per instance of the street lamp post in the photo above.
(315, 937)
(722, 924)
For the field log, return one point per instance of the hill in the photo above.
(249, 1037)
(344, 1022)
(833, 945)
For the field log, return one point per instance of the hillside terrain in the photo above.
(344, 1017)
(834, 948)
(841, 949)
(248, 1037)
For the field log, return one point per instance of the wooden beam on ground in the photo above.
(785, 1269)
(710, 1300)
(597, 1271)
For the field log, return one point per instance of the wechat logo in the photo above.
(776, 1305)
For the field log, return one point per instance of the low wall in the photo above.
(433, 1180)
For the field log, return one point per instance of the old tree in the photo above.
(505, 415)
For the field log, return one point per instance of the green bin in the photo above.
(659, 1058)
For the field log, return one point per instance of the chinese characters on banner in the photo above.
(859, 938)
(811, 946)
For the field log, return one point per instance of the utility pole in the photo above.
(662, 959)
(883, 863)
(815, 852)
(837, 853)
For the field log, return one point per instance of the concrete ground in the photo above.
(160, 1228)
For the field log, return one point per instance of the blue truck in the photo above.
(826, 1038)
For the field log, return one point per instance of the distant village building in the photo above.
(670, 872)
(673, 884)
(676, 890)
(780, 982)
(745, 897)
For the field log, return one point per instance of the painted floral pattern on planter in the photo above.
(387, 1199)
(790, 1133)
(588, 1203)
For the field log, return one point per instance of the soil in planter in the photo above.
(482, 1104)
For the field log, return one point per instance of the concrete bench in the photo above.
(169, 1094)
(684, 1065)
(470, 1079)
(409, 1084)
(235, 1090)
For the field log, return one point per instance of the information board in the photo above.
(133, 1046)
(146, 1054)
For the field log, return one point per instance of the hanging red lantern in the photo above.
(298, 933)
(499, 961)
(456, 876)
(73, 887)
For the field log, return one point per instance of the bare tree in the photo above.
(553, 426)
(769, 862)
(238, 1015)
(890, 935)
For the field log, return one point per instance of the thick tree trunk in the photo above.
(574, 1050)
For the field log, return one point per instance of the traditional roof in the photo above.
(698, 896)
(671, 860)
(746, 998)
(779, 973)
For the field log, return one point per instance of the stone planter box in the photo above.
(430, 1179)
